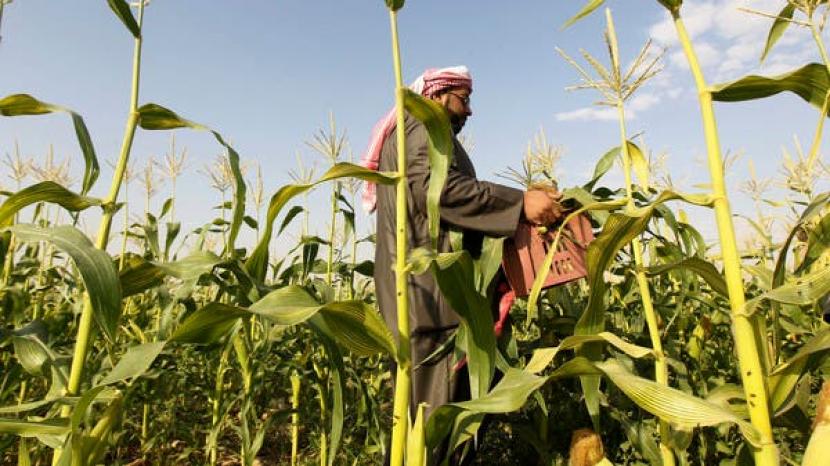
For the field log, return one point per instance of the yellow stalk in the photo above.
(820, 128)
(661, 371)
(819, 43)
(85, 329)
(332, 231)
(295, 417)
(811, 159)
(817, 449)
(400, 418)
(746, 339)
(323, 396)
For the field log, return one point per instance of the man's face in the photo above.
(457, 103)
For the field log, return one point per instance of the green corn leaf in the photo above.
(156, 117)
(96, 268)
(257, 263)
(639, 163)
(33, 354)
(783, 380)
(815, 208)
(292, 213)
(171, 233)
(778, 27)
(290, 305)
(536, 289)
(488, 263)
(23, 458)
(439, 150)
(348, 223)
(21, 428)
(32, 405)
(337, 376)
(619, 230)
(818, 344)
(122, 10)
(415, 440)
(208, 324)
(354, 324)
(138, 275)
(79, 411)
(589, 8)
(818, 240)
(191, 267)
(455, 275)
(763, 233)
(365, 268)
(605, 163)
(166, 207)
(702, 268)
(359, 328)
(810, 82)
(582, 197)
(134, 363)
(803, 290)
(95, 446)
(667, 403)
(673, 405)
(509, 394)
(542, 357)
(671, 5)
(394, 5)
(24, 104)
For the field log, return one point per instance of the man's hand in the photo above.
(542, 207)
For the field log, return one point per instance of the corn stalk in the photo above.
(403, 378)
(815, 31)
(295, 417)
(661, 373)
(747, 335)
(84, 336)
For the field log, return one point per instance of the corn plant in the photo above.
(199, 351)
(616, 86)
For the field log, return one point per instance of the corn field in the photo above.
(144, 344)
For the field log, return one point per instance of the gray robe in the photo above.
(475, 207)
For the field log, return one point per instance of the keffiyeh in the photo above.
(429, 84)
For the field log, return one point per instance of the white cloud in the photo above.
(707, 55)
(729, 41)
(639, 103)
(698, 18)
(588, 114)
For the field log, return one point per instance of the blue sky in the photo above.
(266, 74)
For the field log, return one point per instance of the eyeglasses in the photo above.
(465, 99)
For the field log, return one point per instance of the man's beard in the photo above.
(457, 124)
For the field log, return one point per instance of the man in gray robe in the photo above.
(475, 207)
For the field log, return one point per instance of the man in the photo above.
(477, 208)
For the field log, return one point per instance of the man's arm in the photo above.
(465, 201)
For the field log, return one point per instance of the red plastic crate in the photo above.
(525, 253)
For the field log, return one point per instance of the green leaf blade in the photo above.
(778, 27)
(96, 267)
(122, 10)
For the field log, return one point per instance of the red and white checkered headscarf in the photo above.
(429, 84)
